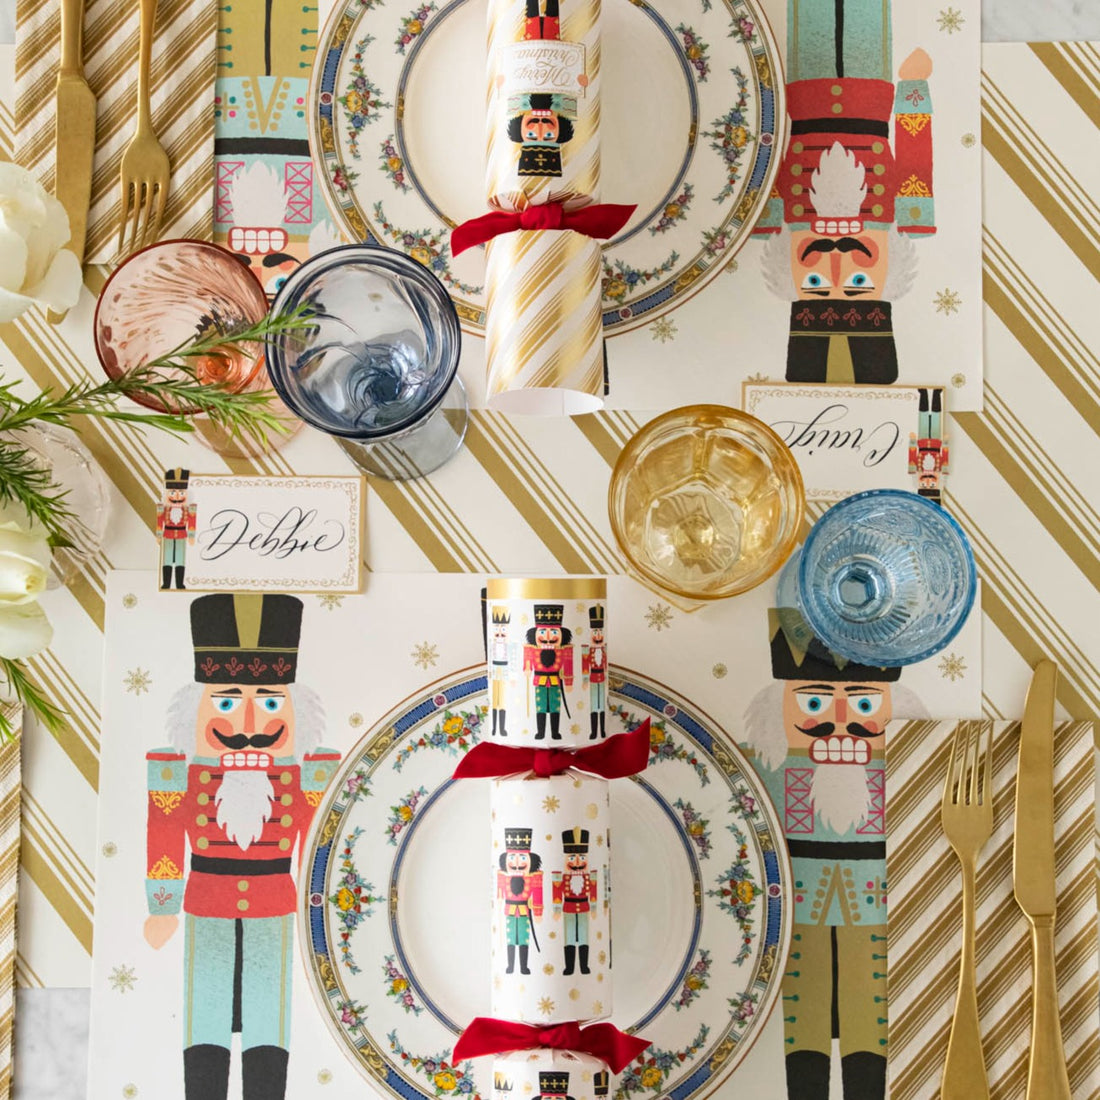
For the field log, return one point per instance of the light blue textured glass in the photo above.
(377, 368)
(885, 578)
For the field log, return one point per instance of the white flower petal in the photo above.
(24, 631)
(60, 288)
(13, 259)
(13, 305)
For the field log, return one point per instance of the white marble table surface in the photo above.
(51, 1030)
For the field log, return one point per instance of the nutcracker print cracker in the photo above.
(547, 661)
(230, 800)
(549, 1075)
(551, 954)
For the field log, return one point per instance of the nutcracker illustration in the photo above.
(817, 735)
(502, 1086)
(501, 667)
(548, 656)
(594, 667)
(519, 888)
(601, 1083)
(230, 800)
(928, 446)
(175, 526)
(554, 1085)
(574, 894)
(853, 191)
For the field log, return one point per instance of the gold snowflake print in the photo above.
(760, 378)
(597, 1008)
(551, 804)
(546, 1006)
(731, 267)
(425, 655)
(129, 1092)
(663, 329)
(355, 720)
(574, 994)
(969, 141)
(958, 380)
(548, 968)
(947, 301)
(122, 979)
(658, 617)
(129, 601)
(110, 849)
(137, 681)
(952, 667)
(599, 840)
(528, 1087)
(602, 956)
(950, 20)
(330, 601)
(719, 671)
(574, 729)
(324, 1076)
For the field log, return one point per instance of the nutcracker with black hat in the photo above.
(176, 519)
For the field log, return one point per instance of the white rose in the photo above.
(24, 630)
(24, 570)
(34, 267)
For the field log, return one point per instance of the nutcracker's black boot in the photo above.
(570, 958)
(493, 731)
(205, 1072)
(594, 721)
(179, 577)
(540, 726)
(808, 1076)
(165, 578)
(263, 1073)
(511, 958)
(863, 1074)
(555, 726)
(584, 959)
(523, 949)
(603, 723)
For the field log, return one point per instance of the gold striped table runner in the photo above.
(926, 915)
(9, 869)
(183, 73)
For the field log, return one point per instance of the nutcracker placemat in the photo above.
(227, 714)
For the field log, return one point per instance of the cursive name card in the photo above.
(846, 439)
(289, 534)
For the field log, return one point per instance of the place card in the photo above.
(286, 534)
(848, 439)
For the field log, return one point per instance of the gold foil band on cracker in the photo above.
(544, 328)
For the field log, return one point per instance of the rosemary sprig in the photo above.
(27, 691)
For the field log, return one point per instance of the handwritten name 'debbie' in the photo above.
(827, 431)
(269, 534)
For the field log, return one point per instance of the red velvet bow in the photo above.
(623, 754)
(600, 220)
(484, 1035)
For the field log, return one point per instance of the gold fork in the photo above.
(145, 171)
(967, 816)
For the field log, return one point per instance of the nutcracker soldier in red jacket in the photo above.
(574, 894)
(229, 805)
(175, 526)
(594, 667)
(849, 199)
(519, 890)
(928, 457)
(548, 656)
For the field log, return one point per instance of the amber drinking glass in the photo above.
(706, 502)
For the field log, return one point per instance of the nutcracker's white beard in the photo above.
(244, 803)
(841, 795)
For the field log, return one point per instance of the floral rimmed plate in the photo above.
(692, 134)
(395, 902)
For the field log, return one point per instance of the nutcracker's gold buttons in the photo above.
(796, 189)
(204, 776)
(242, 885)
(203, 799)
(838, 108)
(286, 821)
(287, 799)
(877, 147)
(319, 775)
(877, 209)
(914, 213)
(284, 844)
(878, 188)
(796, 169)
(798, 209)
(836, 89)
(202, 842)
(242, 905)
(201, 820)
(879, 169)
(797, 147)
(285, 778)
(166, 773)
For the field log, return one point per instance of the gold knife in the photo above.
(1033, 881)
(75, 134)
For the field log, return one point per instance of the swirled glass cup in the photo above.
(173, 293)
(378, 368)
(705, 502)
(885, 578)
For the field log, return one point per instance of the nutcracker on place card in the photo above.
(547, 665)
(551, 956)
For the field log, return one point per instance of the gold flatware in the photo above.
(74, 140)
(145, 171)
(1033, 881)
(967, 817)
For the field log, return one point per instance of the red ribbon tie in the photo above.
(604, 1041)
(600, 220)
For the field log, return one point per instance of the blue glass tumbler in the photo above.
(377, 367)
(885, 578)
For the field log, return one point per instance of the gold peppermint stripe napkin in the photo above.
(9, 867)
(926, 915)
(183, 74)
